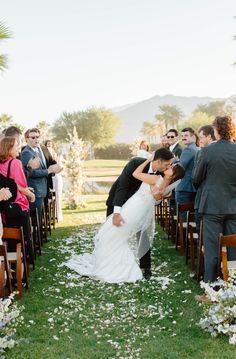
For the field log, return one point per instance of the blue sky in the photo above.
(69, 55)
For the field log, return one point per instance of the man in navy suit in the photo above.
(37, 178)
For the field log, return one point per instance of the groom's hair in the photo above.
(163, 154)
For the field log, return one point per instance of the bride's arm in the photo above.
(158, 190)
(145, 177)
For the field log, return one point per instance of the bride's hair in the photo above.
(178, 172)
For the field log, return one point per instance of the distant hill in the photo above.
(133, 115)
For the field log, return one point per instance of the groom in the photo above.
(126, 185)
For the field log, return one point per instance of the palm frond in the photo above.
(3, 62)
(4, 32)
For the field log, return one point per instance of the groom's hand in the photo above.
(117, 220)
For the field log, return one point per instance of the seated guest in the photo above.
(18, 215)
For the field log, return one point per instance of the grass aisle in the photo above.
(67, 316)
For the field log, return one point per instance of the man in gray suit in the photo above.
(216, 168)
(206, 137)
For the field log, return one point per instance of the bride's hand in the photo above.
(156, 192)
(117, 220)
(152, 156)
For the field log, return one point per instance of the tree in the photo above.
(213, 108)
(4, 34)
(169, 116)
(6, 121)
(98, 126)
(149, 130)
(197, 120)
(230, 106)
(45, 130)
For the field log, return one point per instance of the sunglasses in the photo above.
(170, 136)
(33, 137)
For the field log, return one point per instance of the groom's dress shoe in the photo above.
(147, 273)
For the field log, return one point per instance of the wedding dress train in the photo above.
(113, 260)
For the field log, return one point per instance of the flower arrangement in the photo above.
(9, 319)
(74, 171)
(220, 309)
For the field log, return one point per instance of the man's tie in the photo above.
(41, 157)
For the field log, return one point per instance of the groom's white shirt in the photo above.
(117, 209)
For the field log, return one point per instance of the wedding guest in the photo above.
(13, 131)
(57, 180)
(164, 142)
(18, 216)
(38, 178)
(144, 149)
(174, 146)
(185, 191)
(206, 137)
(5, 194)
(215, 167)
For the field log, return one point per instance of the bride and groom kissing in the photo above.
(130, 214)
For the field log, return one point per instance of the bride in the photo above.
(112, 259)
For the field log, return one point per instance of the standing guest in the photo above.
(57, 180)
(206, 137)
(185, 191)
(164, 142)
(19, 216)
(216, 168)
(144, 150)
(14, 131)
(38, 178)
(174, 146)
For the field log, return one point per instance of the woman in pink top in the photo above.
(19, 217)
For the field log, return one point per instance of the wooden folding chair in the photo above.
(5, 279)
(224, 264)
(190, 238)
(37, 239)
(14, 240)
(181, 226)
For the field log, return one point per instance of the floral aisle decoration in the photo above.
(10, 318)
(74, 172)
(220, 309)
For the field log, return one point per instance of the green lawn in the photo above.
(66, 316)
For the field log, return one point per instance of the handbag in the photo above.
(7, 182)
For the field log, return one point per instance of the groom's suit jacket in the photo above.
(216, 166)
(125, 185)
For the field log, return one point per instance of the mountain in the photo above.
(132, 116)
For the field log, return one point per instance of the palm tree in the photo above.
(4, 34)
(169, 116)
(150, 131)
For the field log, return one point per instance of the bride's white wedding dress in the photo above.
(113, 260)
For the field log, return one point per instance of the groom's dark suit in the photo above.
(215, 167)
(122, 189)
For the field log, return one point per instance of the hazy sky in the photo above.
(66, 55)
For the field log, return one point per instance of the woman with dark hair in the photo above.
(113, 260)
(19, 214)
